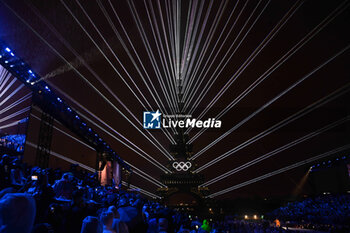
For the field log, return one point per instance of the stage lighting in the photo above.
(47, 88)
(76, 116)
(59, 99)
(12, 54)
(69, 110)
(8, 50)
(245, 216)
(6, 61)
(30, 71)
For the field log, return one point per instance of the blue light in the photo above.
(69, 109)
(6, 62)
(83, 124)
(30, 71)
(76, 116)
(11, 66)
(90, 129)
(47, 88)
(100, 139)
(59, 100)
(8, 50)
(12, 54)
(96, 134)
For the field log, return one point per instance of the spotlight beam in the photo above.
(116, 57)
(139, 151)
(160, 49)
(319, 27)
(80, 75)
(279, 125)
(161, 148)
(277, 151)
(171, 31)
(86, 14)
(138, 57)
(167, 134)
(188, 77)
(279, 171)
(149, 50)
(231, 55)
(141, 190)
(233, 43)
(15, 114)
(15, 103)
(5, 80)
(268, 72)
(2, 92)
(12, 94)
(190, 37)
(204, 50)
(168, 47)
(245, 64)
(270, 102)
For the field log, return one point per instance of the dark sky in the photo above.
(308, 36)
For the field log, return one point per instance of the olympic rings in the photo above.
(182, 166)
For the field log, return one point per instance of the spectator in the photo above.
(17, 213)
(118, 225)
(162, 225)
(91, 225)
(107, 222)
(63, 187)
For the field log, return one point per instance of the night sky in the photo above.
(292, 57)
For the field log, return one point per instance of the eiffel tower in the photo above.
(182, 181)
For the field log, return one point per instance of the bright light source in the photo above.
(255, 217)
(12, 54)
(30, 71)
(245, 216)
(6, 61)
(8, 50)
(59, 100)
